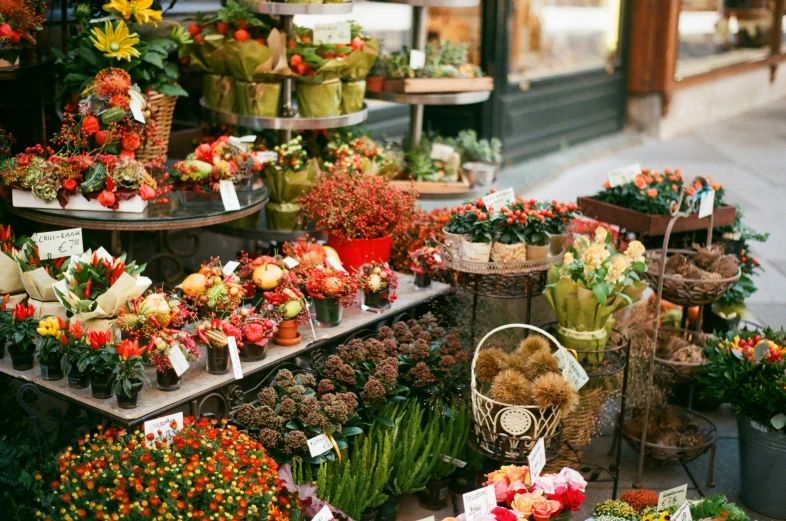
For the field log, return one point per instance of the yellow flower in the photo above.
(635, 252)
(617, 270)
(138, 9)
(115, 41)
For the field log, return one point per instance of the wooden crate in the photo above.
(649, 224)
(430, 85)
(426, 187)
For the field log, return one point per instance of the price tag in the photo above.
(479, 502)
(178, 360)
(682, 513)
(454, 461)
(323, 515)
(333, 263)
(229, 196)
(318, 445)
(497, 200)
(571, 369)
(672, 497)
(136, 110)
(234, 356)
(230, 267)
(62, 243)
(162, 428)
(289, 262)
(417, 59)
(242, 142)
(442, 152)
(265, 157)
(624, 175)
(437, 257)
(429, 518)
(537, 459)
(707, 204)
(340, 32)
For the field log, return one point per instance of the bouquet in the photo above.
(211, 291)
(309, 255)
(359, 155)
(39, 275)
(375, 277)
(593, 281)
(10, 279)
(19, 22)
(254, 329)
(289, 178)
(427, 261)
(143, 318)
(287, 303)
(97, 285)
(166, 340)
(329, 283)
(213, 162)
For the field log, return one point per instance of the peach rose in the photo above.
(522, 505)
(514, 473)
(543, 509)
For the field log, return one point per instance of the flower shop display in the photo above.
(592, 282)
(76, 350)
(642, 205)
(211, 291)
(222, 463)
(214, 334)
(641, 505)
(10, 277)
(50, 350)
(129, 373)
(160, 354)
(18, 331)
(426, 265)
(287, 304)
(559, 217)
(289, 178)
(359, 213)
(210, 163)
(96, 286)
(144, 317)
(347, 151)
(331, 291)
(378, 283)
(19, 23)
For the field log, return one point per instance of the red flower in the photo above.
(106, 198)
(90, 125)
(146, 192)
(254, 332)
(98, 338)
(69, 185)
(503, 514)
(129, 349)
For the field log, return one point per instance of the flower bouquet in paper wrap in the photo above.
(39, 277)
(291, 176)
(218, 88)
(593, 281)
(96, 286)
(10, 278)
(361, 54)
(317, 70)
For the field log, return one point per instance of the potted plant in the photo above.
(287, 305)
(593, 281)
(212, 334)
(359, 213)
(256, 331)
(458, 227)
(476, 245)
(558, 217)
(129, 373)
(378, 283)
(747, 369)
(50, 349)
(376, 76)
(510, 234)
(536, 233)
(160, 348)
(143, 318)
(76, 348)
(211, 292)
(426, 264)
(19, 331)
(289, 177)
(474, 150)
(101, 362)
(332, 291)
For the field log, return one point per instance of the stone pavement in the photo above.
(747, 154)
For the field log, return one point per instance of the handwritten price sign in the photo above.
(62, 243)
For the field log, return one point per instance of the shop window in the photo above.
(552, 37)
(716, 33)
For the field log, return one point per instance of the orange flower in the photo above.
(652, 193)
(674, 187)
(640, 183)
(112, 81)
(691, 190)
(606, 185)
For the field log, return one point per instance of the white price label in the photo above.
(229, 196)
(682, 513)
(429, 518)
(571, 369)
(479, 502)
(289, 262)
(163, 428)
(437, 257)
(62, 243)
(136, 109)
(340, 32)
(707, 204)
(537, 459)
(318, 445)
(498, 200)
(177, 359)
(230, 267)
(336, 265)
(234, 356)
(265, 157)
(417, 59)
(672, 497)
(624, 175)
(243, 142)
(442, 152)
(323, 515)
(454, 461)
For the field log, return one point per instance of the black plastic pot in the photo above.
(21, 357)
(129, 401)
(52, 370)
(78, 380)
(253, 352)
(369, 516)
(465, 480)
(435, 495)
(422, 280)
(2, 351)
(388, 511)
(168, 380)
(328, 311)
(217, 360)
(102, 384)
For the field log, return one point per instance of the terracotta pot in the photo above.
(374, 83)
(475, 251)
(356, 252)
(21, 357)
(453, 242)
(556, 243)
(422, 280)
(287, 333)
(217, 360)
(508, 252)
(168, 380)
(537, 252)
(130, 401)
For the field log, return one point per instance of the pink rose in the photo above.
(574, 480)
(515, 488)
(501, 490)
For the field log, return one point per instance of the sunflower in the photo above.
(116, 41)
(139, 9)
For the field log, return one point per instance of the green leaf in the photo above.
(291, 425)
(384, 421)
(169, 89)
(759, 351)
(154, 59)
(351, 431)
(601, 292)
(88, 55)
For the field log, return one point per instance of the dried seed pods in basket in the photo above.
(519, 394)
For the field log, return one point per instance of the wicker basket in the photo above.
(679, 372)
(509, 432)
(689, 292)
(162, 109)
(458, 263)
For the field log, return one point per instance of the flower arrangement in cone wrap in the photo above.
(593, 281)
(10, 276)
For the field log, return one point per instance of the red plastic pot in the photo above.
(356, 252)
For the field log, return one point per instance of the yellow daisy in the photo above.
(115, 41)
(138, 9)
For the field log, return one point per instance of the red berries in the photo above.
(221, 27)
(241, 35)
(193, 29)
(296, 60)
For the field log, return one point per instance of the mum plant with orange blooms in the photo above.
(209, 471)
(653, 192)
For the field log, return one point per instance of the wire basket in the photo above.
(676, 371)
(455, 262)
(689, 292)
(509, 432)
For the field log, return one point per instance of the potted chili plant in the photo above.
(378, 283)
(536, 231)
(426, 264)
(458, 227)
(101, 363)
(20, 333)
(50, 348)
(130, 372)
(476, 245)
(76, 349)
(332, 291)
(509, 234)
(160, 349)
